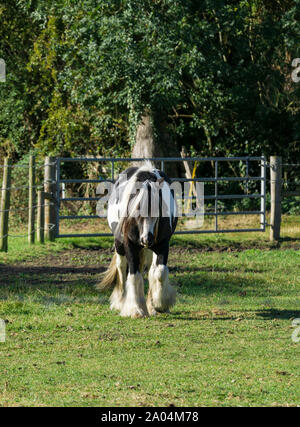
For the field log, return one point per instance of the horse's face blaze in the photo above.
(146, 231)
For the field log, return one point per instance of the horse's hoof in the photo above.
(138, 315)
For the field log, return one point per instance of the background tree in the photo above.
(121, 76)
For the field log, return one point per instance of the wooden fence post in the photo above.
(50, 188)
(5, 205)
(276, 182)
(31, 200)
(40, 217)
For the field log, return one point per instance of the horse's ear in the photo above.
(160, 181)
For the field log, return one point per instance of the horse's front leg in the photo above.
(134, 304)
(161, 295)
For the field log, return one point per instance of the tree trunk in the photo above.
(145, 144)
(151, 144)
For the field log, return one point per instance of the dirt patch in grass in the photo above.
(234, 246)
(78, 263)
(87, 263)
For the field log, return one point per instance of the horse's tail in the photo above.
(110, 276)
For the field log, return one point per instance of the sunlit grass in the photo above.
(226, 342)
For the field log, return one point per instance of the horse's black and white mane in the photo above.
(142, 215)
(141, 193)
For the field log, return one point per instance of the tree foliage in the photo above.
(216, 73)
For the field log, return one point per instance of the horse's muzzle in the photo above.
(147, 241)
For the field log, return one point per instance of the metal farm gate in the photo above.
(215, 198)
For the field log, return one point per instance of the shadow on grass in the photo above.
(67, 278)
(272, 313)
(218, 315)
(196, 269)
(223, 244)
(184, 315)
(92, 244)
(51, 285)
(64, 282)
(231, 285)
(289, 239)
(93, 247)
(12, 270)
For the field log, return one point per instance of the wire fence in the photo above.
(24, 209)
(25, 166)
(18, 236)
(288, 180)
(284, 180)
(28, 187)
(35, 198)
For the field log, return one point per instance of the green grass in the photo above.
(227, 342)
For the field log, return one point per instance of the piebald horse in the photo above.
(142, 216)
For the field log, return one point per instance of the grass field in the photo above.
(227, 342)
